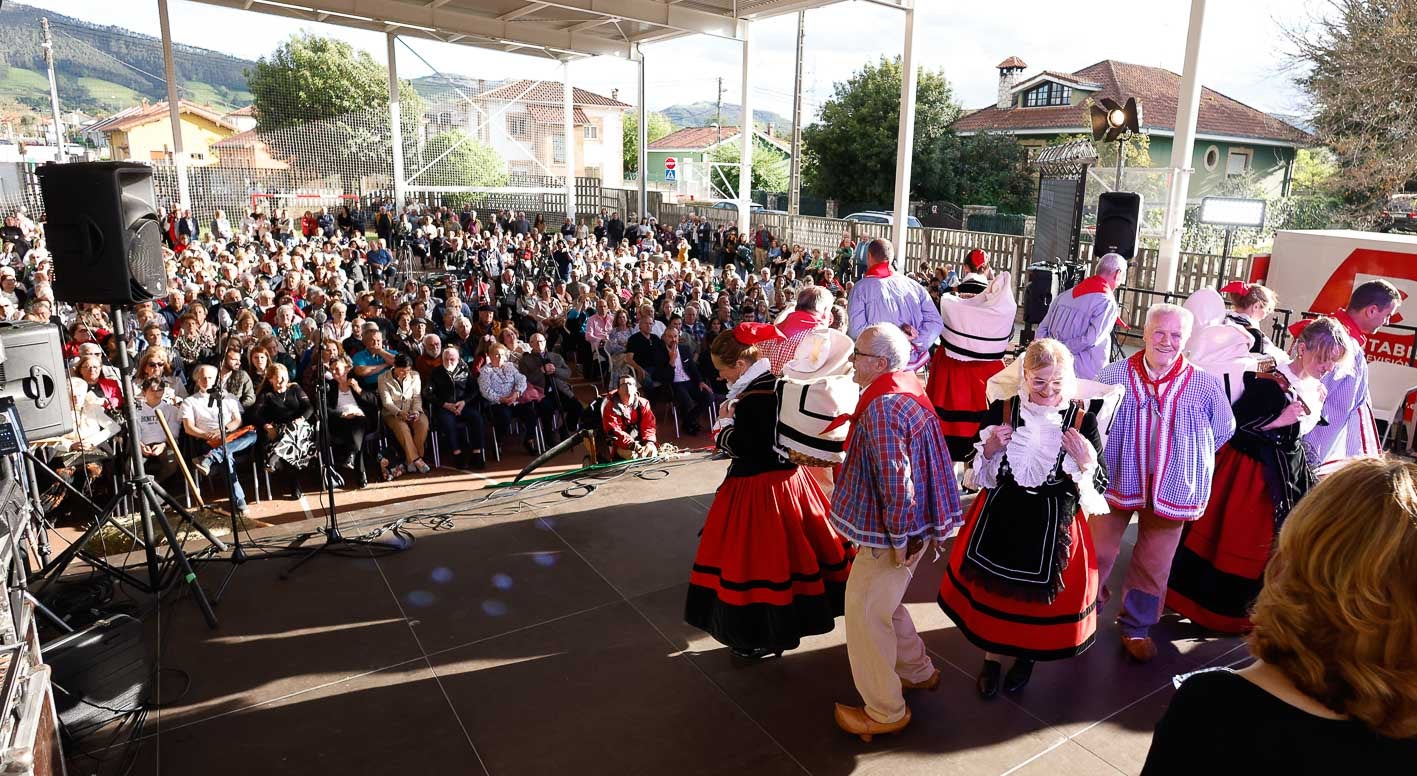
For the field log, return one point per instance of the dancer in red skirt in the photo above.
(1038, 465)
(977, 330)
(1259, 475)
(769, 569)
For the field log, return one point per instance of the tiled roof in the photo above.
(1157, 89)
(157, 111)
(1011, 62)
(555, 115)
(548, 93)
(249, 110)
(693, 138)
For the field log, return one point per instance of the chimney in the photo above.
(772, 129)
(1008, 75)
(615, 94)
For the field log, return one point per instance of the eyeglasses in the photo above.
(857, 354)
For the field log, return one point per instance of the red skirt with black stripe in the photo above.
(1219, 568)
(956, 388)
(1026, 629)
(770, 569)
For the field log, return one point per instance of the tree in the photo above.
(1314, 169)
(325, 105)
(849, 154)
(657, 126)
(1358, 78)
(461, 161)
(987, 169)
(770, 171)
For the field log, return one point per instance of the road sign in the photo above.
(669, 163)
(669, 174)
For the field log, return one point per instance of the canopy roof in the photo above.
(558, 28)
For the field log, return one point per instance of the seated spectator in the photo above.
(373, 360)
(1335, 671)
(690, 392)
(628, 421)
(452, 394)
(646, 355)
(235, 380)
(349, 413)
(503, 387)
(90, 370)
(430, 355)
(550, 375)
(401, 401)
(159, 457)
(282, 413)
(199, 421)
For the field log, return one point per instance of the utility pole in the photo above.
(718, 120)
(59, 155)
(794, 184)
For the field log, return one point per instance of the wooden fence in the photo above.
(928, 248)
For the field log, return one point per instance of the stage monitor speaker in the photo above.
(32, 375)
(103, 232)
(100, 673)
(1118, 224)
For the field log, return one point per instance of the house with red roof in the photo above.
(143, 133)
(524, 121)
(692, 148)
(1232, 138)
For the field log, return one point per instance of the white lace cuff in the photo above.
(985, 470)
(1089, 500)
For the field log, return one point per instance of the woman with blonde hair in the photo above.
(1333, 688)
(1259, 475)
(1022, 576)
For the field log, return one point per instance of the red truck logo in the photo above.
(1362, 265)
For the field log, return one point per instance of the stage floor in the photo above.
(544, 635)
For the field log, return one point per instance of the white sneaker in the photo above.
(201, 465)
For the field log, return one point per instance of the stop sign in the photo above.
(669, 163)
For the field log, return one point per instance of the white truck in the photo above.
(1315, 271)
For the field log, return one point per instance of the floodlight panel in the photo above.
(1232, 211)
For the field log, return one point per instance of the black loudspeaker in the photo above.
(1118, 224)
(32, 374)
(1043, 285)
(99, 673)
(103, 231)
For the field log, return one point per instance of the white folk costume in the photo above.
(816, 388)
(1022, 576)
(1160, 459)
(977, 332)
(1260, 474)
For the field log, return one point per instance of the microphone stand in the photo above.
(216, 397)
(331, 531)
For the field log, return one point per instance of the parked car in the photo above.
(729, 205)
(880, 217)
(1401, 212)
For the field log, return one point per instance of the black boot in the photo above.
(295, 492)
(988, 681)
(1017, 677)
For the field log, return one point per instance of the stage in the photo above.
(540, 634)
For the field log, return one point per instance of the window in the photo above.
(592, 132)
(520, 167)
(592, 172)
(1212, 158)
(518, 125)
(558, 149)
(1237, 163)
(1048, 94)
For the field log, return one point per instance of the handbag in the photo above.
(232, 437)
(531, 395)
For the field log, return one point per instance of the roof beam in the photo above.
(660, 14)
(587, 25)
(417, 20)
(529, 8)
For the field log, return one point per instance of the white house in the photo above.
(524, 122)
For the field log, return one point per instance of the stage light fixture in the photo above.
(1112, 120)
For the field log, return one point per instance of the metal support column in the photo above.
(642, 142)
(59, 155)
(794, 178)
(568, 106)
(1182, 153)
(395, 124)
(174, 108)
(745, 137)
(905, 141)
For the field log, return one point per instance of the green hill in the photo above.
(703, 114)
(99, 69)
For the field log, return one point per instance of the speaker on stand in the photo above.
(1118, 224)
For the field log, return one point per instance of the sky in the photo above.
(1244, 54)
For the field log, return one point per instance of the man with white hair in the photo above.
(896, 494)
(814, 304)
(1160, 458)
(886, 296)
(1082, 317)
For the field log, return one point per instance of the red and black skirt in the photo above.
(1219, 568)
(1027, 627)
(770, 569)
(956, 388)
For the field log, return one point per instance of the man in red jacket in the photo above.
(628, 421)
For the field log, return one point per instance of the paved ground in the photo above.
(544, 636)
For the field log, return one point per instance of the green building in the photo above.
(692, 147)
(1232, 138)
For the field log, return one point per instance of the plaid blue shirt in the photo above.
(898, 480)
